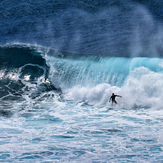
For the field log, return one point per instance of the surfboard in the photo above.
(110, 108)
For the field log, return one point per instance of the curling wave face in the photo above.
(22, 69)
(29, 71)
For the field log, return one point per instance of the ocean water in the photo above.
(60, 62)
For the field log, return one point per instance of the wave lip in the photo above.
(70, 71)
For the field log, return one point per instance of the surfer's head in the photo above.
(112, 94)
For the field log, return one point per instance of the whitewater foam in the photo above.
(142, 89)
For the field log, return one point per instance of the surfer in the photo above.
(113, 98)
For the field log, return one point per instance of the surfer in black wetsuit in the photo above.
(113, 98)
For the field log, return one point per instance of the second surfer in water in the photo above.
(113, 98)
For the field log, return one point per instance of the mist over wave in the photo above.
(108, 28)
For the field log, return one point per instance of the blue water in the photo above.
(60, 63)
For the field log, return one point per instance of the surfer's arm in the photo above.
(119, 96)
(109, 99)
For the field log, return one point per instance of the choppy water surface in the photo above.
(53, 130)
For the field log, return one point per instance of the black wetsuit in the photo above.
(113, 98)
